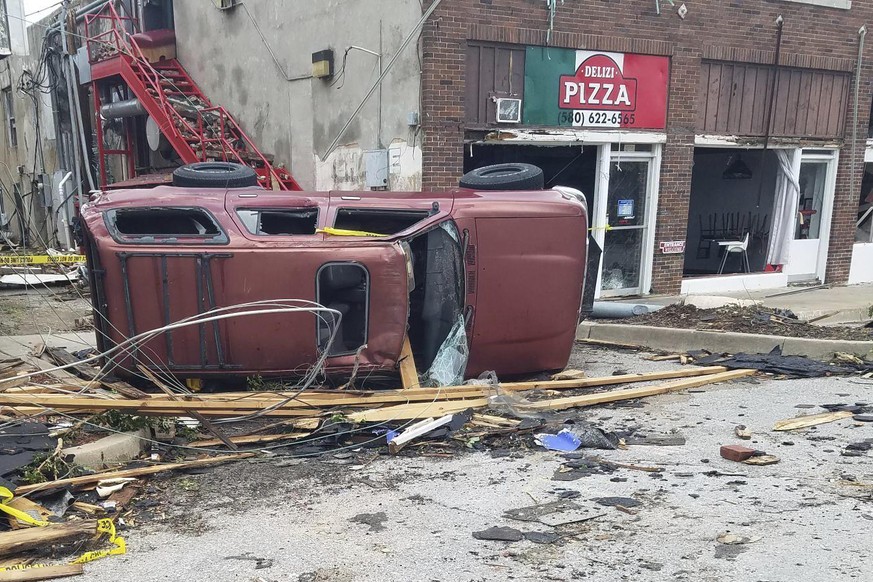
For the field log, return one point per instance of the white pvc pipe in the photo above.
(64, 231)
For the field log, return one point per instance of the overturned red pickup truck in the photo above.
(499, 259)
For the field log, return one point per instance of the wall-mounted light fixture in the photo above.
(322, 64)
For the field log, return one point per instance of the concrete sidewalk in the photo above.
(834, 305)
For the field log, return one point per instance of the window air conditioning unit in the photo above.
(226, 4)
(508, 110)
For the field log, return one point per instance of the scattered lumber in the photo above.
(251, 439)
(42, 573)
(140, 472)
(62, 357)
(811, 420)
(632, 393)
(219, 434)
(21, 540)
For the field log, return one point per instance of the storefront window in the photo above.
(812, 189)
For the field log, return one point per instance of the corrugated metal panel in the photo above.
(492, 71)
(733, 99)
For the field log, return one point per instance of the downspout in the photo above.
(862, 34)
(64, 232)
(769, 117)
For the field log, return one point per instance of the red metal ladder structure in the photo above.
(196, 129)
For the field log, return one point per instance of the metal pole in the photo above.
(379, 116)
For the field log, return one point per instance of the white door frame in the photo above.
(647, 251)
(832, 158)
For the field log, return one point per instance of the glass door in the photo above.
(622, 218)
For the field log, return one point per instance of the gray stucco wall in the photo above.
(297, 120)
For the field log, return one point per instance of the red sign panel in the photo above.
(615, 90)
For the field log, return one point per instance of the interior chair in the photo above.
(735, 246)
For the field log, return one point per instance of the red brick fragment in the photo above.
(736, 453)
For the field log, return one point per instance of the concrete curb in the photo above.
(678, 340)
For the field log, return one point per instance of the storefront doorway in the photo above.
(620, 184)
(755, 212)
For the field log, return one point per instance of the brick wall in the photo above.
(740, 29)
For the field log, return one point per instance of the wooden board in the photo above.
(251, 439)
(417, 410)
(631, 393)
(140, 472)
(42, 573)
(408, 371)
(811, 420)
(20, 540)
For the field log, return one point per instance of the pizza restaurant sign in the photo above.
(596, 89)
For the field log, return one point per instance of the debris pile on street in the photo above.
(753, 319)
(75, 448)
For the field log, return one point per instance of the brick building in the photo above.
(699, 154)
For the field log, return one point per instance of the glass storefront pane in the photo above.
(812, 188)
(622, 258)
(626, 201)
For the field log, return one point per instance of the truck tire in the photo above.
(504, 177)
(214, 175)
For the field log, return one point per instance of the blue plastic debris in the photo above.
(564, 441)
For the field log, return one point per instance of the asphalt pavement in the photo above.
(411, 518)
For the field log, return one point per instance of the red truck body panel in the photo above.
(521, 258)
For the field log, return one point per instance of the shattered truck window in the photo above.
(344, 287)
(436, 303)
(167, 224)
(379, 221)
(292, 221)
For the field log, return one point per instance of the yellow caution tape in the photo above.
(106, 526)
(41, 259)
(344, 232)
(5, 497)
(607, 227)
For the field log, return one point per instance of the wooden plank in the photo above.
(408, 371)
(780, 103)
(791, 103)
(811, 420)
(196, 414)
(62, 357)
(747, 110)
(724, 97)
(42, 573)
(126, 390)
(802, 117)
(417, 410)
(632, 393)
(140, 472)
(712, 97)
(21, 540)
(247, 440)
(736, 102)
(472, 84)
(812, 116)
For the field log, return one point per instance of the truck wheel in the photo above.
(215, 175)
(504, 177)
